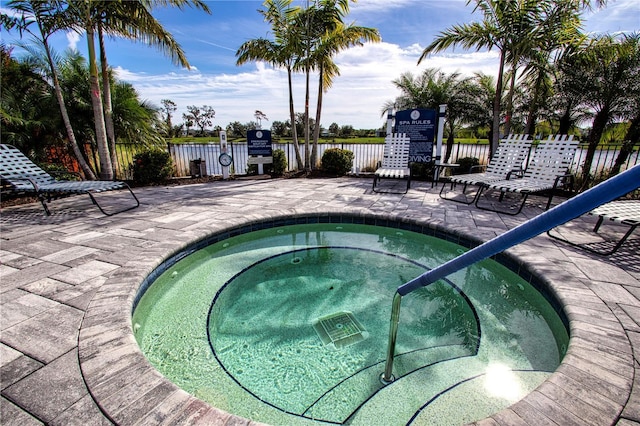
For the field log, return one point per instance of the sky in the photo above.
(358, 94)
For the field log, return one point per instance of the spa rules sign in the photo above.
(420, 126)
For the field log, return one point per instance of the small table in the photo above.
(438, 169)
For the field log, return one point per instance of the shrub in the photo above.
(337, 161)
(277, 168)
(422, 170)
(58, 171)
(279, 162)
(152, 166)
(465, 165)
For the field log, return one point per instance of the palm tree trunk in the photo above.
(316, 130)
(106, 99)
(496, 107)
(630, 139)
(292, 114)
(306, 122)
(106, 169)
(450, 142)
(599, 124)
(509, 112)
(530, 128)
(564, 122)
(86, 169)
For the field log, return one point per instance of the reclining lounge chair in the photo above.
(23, 175)
(395, 162)
(546, 173)
(623, 212)
(508, 158)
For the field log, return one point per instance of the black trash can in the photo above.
(198, 168)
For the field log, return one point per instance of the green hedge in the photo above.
(337, 161)
(152, 166)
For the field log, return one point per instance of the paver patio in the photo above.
(67, 282)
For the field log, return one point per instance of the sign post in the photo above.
(260, 149)
(441, 115)
(225, 158)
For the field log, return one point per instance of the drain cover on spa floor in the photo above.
(340, 329)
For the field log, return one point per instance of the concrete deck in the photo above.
(67, 282)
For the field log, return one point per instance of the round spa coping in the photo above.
(129, 390)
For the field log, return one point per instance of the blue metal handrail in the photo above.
(606, 191)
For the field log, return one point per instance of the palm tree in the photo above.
(130, 19)
(135, 121)
(27, 106)
(280, 52)
(259, 115)
(482, 90)
(605, 74)
(133, 20)
(602, 76)
(433, 88)
(515, 28)
(632, 108)
(324, 34)
(47, 17)
(336, 37)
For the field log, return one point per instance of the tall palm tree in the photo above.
(282, 51)
(324, 34)
(336, 38)
(133, 20)
(130, 19)
(47, 17)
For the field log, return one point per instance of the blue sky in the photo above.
(357, 95)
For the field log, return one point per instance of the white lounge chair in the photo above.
(25, 176)
(546, 172)
(508, 158)
(395, 162)
(622, 212)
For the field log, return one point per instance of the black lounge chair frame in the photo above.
(624, 212)
(546, 174)
(25, 176)
(507, 160)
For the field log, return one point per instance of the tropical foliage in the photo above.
(31, 119)
(96, 18)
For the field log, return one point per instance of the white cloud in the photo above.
(356, 97)
(73, 38)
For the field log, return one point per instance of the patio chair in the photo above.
(23, 175)
(395, 162)
(508, 158)
(623, 212)
(546, 173)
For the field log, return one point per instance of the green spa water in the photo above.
(289, 326)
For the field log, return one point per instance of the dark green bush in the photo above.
(152, 166)
(279, 162)
(465, 166)
(422, 171)
(337, 161)
(58, 171)
(277, 168)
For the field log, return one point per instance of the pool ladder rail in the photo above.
(572, 208)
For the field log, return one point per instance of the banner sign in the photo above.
(420, 126)
(259, 142)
